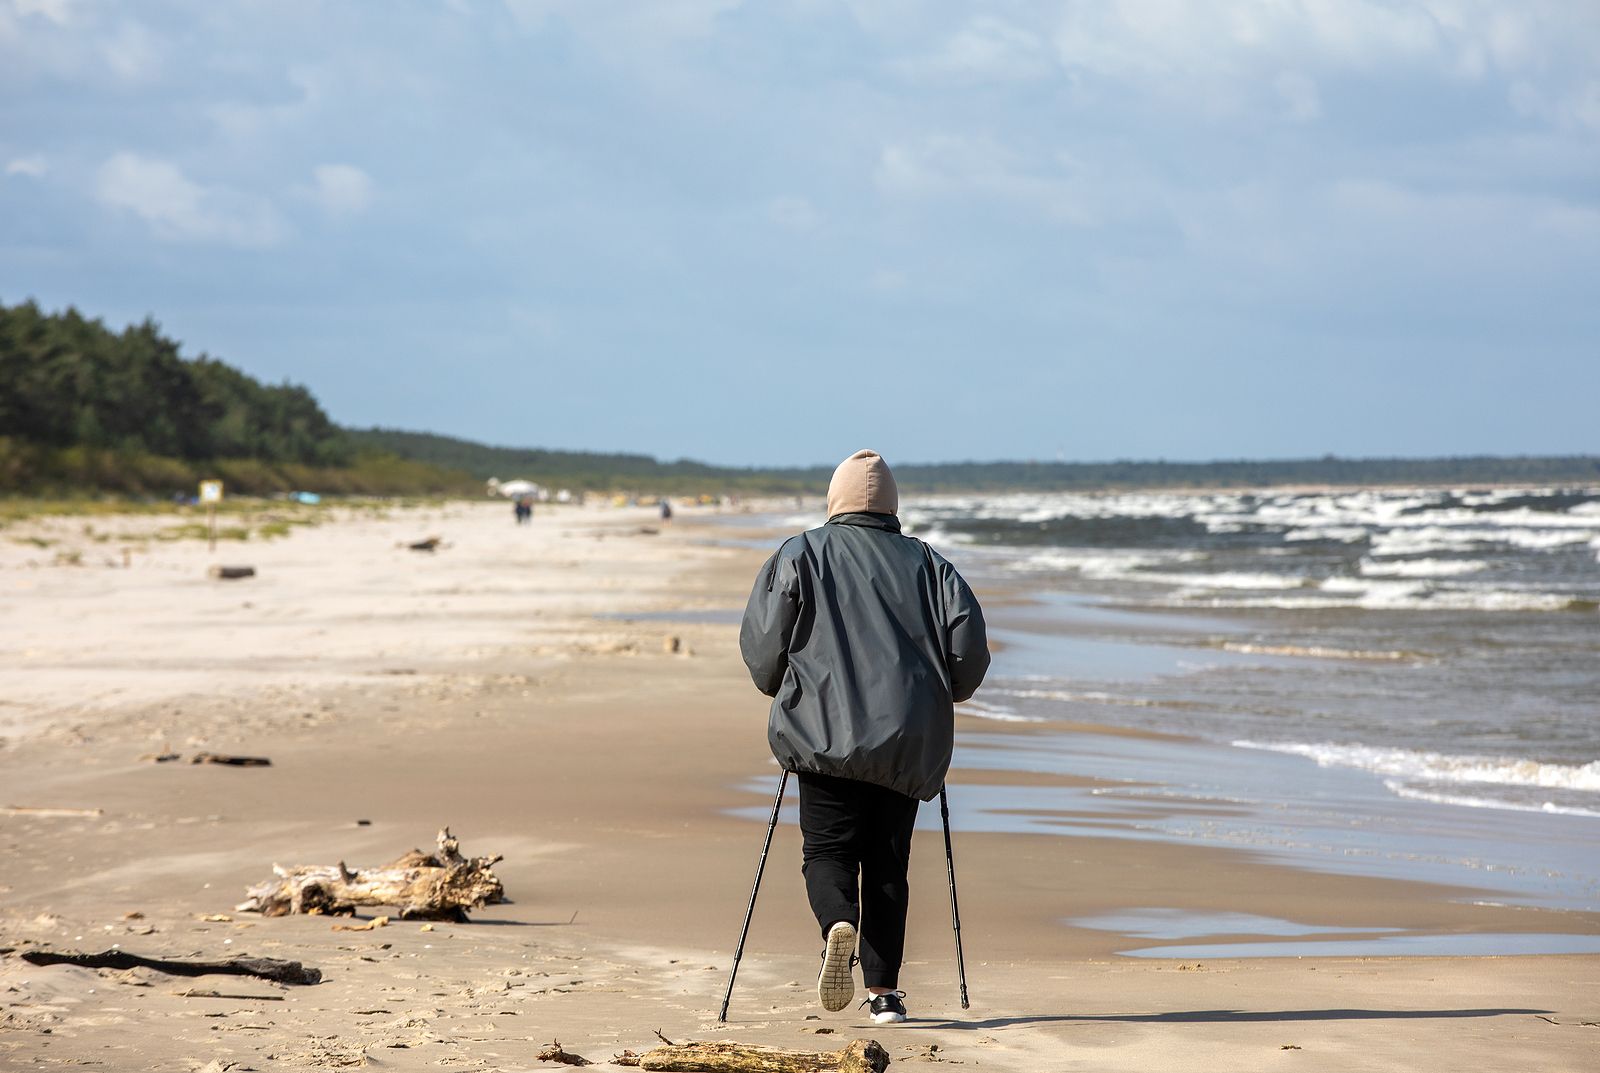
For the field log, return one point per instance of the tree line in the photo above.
(83, 407)
(72, 382)
(587, 470)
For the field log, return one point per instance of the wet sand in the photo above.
(476, 687)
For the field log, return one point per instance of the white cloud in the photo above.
(793, 213)
(57, 11)
(341, 189)
(1299, 94)
(244, 121)
(133, 53)
(539, 323)
(1585, 106)
(181, 210)
(887, 281)
(1206, 57)
(33, 167)
(88, 47)
(986, 49)
(657, 22)
(945, 165)
(1378, 242)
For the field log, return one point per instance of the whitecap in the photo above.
(1229, 580)
(1414, 793)
(1421, 567)
(1320, 652)
(996, 712)
(1351, 594)
(1104, 563)
(1343, 534)
(1443, 767)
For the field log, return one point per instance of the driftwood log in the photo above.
(229, 761)
(861, 1056)
(430, 886)
(34, 810)
(554, 1052)
(282, 972)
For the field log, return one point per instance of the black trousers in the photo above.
(857, 844)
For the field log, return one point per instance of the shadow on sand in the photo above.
(1214, 1016)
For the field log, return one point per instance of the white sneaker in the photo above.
(887, 1009)
(836, 985)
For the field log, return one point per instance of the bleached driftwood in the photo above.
(437, 886)
(553, 1052)
(275, 969)
(35, 810)
(861, 1056)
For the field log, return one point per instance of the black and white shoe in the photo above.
(836, 985)
(887, 1009)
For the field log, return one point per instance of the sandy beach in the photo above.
(562, 694)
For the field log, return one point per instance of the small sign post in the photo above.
(211, 495)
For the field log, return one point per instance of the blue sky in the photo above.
(774, 232)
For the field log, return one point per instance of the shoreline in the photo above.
(610, 773)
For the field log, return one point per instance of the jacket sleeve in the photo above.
(769, 619)
(966, 636)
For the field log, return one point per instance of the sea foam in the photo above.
(1443, 767)
(1421, 567)
(1402, 789)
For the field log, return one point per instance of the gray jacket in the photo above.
(864, 638)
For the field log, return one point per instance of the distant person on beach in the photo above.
(865, 638)
(524, 509)
(666, 509)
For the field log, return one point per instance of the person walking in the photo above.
(864, 638)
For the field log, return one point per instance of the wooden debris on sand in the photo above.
(232, 573)
(375, 922)
(230, 761)
(440, 886)
(861, 1056)
(432, 543)
(34, 810)
(282, 972)
(553, 1053)
(167, 756)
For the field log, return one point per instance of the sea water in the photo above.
(1446, 642)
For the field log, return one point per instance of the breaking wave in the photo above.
(1402, 789)
(1443, 767)
(1381, 599)
(1422, 567)
(999, 713)
(1321, 652)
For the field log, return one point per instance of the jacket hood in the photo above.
(863, 483)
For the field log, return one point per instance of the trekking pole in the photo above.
(955, 908)
(761, 866)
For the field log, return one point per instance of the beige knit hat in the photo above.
(863, 483)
